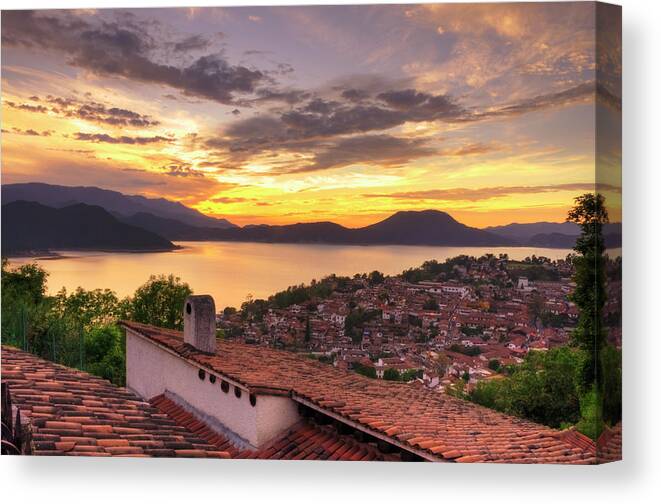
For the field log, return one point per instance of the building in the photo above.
(190, 395)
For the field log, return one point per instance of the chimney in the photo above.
(200, 323)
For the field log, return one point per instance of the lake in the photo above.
(231, 271)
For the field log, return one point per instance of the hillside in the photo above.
(427, 227)
(114, 202)
(29, 227)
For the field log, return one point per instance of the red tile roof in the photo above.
(304, 441)
(609, 445)
(433, 425)
(74, 413)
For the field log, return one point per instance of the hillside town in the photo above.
(466, 322)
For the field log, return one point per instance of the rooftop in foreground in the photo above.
(430, 425)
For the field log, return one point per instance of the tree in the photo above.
(308, 331)
(160, 302)
(546, 388)
(589, 295)
(361, 369)
(104, 352)
(494, 365)
(536, 307)
(430, 304)
(375, 278)
(391, 374)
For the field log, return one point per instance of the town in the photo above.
(443, 325)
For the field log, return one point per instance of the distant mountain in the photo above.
(552, 240)
(553, 234)
(523, 232)
(428, 227)
(114, 202)
(29, 227)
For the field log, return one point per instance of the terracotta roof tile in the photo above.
(304, 441)
(74, 413)
(414, 417)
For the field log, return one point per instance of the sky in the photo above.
(296, 114)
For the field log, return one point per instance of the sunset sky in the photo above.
(292, 114)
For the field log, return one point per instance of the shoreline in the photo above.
(48, 255)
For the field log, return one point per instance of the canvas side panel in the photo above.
(608, 158)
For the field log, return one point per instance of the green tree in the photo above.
(589, 295)
(546, 388)
(375, 278)
(361, 369)
(160, 302)
(104, 351)
(430, 304)
(494, 365)
(308, 330)
(391, 374)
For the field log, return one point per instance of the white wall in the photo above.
(152, 370)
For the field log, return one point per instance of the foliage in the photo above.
(160, 302)
(430, 304)
(375, 278)
(471, 351)
(368, 371)
(611, 384)
(494, 365)
(411, 374)
(355, 320)
(391, 374)
(590, 292)
(546, 388)
(79, 329)
(591, 423)
(104, 352)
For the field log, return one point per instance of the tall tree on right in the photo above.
(590, 214)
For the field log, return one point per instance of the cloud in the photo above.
(192, 43)
(471, 149)
(87, 111)
(227, 200)
(105, 138)
(124, 49)
(28, 132)
(318, 120)
(27, 107)
(485, 193)
(355, 95)
(574, 94)
(381, 150)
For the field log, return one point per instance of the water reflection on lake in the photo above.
(231, 271)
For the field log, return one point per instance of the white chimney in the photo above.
(200, 323)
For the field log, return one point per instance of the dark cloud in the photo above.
(318, 120)
(288, 96)
(105, 138)
(125, 50)
(192, 43)
(382, 150)
(88, 111)
(355, 95)
(27, 107)
(29, 132)
(484, 193)
(180, 170)
(404, 99)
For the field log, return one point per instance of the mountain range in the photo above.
(553, 234)
(29, 227)
(116, 203)
(90, 217)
